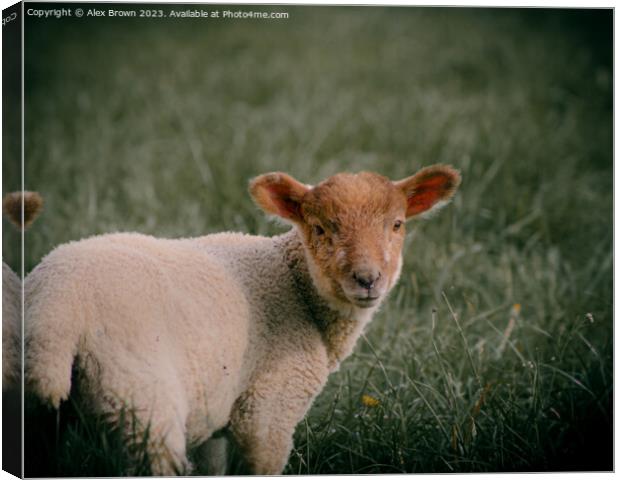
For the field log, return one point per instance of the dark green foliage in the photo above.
(73, 442)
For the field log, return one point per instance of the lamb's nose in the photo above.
(366, 278)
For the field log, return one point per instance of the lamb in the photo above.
(227, 332)
(12, 205)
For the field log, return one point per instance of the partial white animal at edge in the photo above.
(21, 208)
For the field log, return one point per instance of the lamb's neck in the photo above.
(340, 324)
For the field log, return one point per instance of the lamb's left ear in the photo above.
(429, 189)
(279, 194)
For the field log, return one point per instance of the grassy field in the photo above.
(494, 352)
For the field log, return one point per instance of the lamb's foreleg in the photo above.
(265, 416)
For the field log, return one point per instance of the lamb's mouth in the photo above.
(367, 301)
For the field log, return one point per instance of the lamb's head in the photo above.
(353, 225)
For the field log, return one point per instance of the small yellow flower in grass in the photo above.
(516, 309)
(369, 401)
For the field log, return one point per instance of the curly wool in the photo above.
(228, 330)
(196, 332)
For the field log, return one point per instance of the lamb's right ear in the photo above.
(279, 194)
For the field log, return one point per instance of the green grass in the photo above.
(71, 442)
(156, 127)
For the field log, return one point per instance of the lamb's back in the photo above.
(150, 305)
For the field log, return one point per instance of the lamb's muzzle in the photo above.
(227, 330)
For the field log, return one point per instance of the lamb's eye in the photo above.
(397, 225)
(318, 230)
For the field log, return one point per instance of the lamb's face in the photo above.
(353, 226)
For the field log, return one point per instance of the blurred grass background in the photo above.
(494, 352)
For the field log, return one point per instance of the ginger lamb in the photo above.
(226, 331)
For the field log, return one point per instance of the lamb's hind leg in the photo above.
(213, 455)
(153, 420)
(167, 449)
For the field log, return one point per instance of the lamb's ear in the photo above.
(429, 189)
(12, 207)
(279, 194)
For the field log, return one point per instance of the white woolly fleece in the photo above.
(11, 327)
(194, 334)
